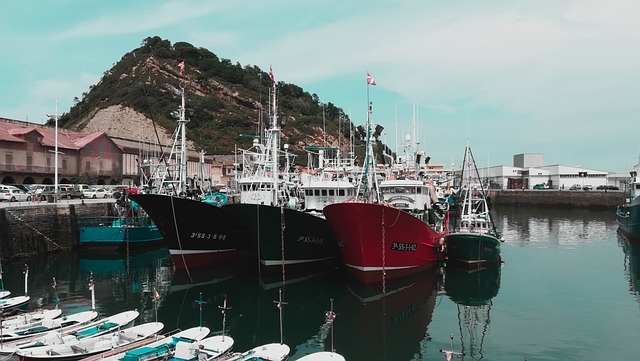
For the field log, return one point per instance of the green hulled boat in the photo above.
(474, 240)
(628, 214)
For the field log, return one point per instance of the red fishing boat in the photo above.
(396, 226)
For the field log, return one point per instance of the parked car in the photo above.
(575, 187)
(74, 193)
(540, 186)
(587, 187)
(613, 188)
(14, 195)
(96, 193)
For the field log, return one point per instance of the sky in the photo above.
(505, 77)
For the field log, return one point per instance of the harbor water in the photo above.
(568, 289)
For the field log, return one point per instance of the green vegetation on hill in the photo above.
(224, 99)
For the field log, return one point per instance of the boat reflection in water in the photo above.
(372, 325)
(473, 292)
(128, 280)
(631, 263)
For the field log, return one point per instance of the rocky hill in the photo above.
(136, 97)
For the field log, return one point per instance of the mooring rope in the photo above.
(33, 229)
(175, 223)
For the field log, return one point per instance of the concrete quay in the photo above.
(554, 198)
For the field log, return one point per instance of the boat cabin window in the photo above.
(406, 189)
(331, 193)
(317, 192)
(340, 192)
(324, 192)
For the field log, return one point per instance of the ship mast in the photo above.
(182, 180)
(275, 139)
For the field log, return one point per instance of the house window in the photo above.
(29, 163)
(64, 163)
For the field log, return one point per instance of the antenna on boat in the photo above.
(448, 354)
(279, 303)
(25, 270)
(156, 299)
(54, 285)
(93, 292)
(201, 302)
(224, 309)
(332, 316)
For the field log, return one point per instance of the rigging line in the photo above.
(484, 194)
(175, 223)
(460, 329)
(146, 96)
(384, 271)
(282, 228)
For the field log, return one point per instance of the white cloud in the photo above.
(144, 19)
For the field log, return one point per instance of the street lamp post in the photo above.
(55, 177)
(55, 162)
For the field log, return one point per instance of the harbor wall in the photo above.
(30, 230)
(558, 198)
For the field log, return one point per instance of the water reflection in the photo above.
(473, 292)
(556, 227)
(631, 263)
(394, 325)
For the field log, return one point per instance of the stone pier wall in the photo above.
(29, 230)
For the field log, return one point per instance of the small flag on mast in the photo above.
(370, 80)
(181, 65)
(273, 80)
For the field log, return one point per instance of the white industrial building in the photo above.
(529, 170)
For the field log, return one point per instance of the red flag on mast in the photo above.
(181, 65)
(370, 80)
(273, 80)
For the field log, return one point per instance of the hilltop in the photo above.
(135, 98)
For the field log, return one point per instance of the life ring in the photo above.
(216, 199)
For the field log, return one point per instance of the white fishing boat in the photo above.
(75, 348)
(55, 336)
(323, 356)
(208, 349)
(163, 347)
(9, 305)
(267, 352)
(29, 319)
(11, 340)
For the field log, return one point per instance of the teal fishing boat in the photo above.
(131, 229)
(475, 241)
(628, 214)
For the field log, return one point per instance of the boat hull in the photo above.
(472, 249)
(628, 217)
(405, 245)
(197, 234)
(120, 235)
(308, 239)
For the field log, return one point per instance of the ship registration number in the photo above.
(220, 237)
(399, 246)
